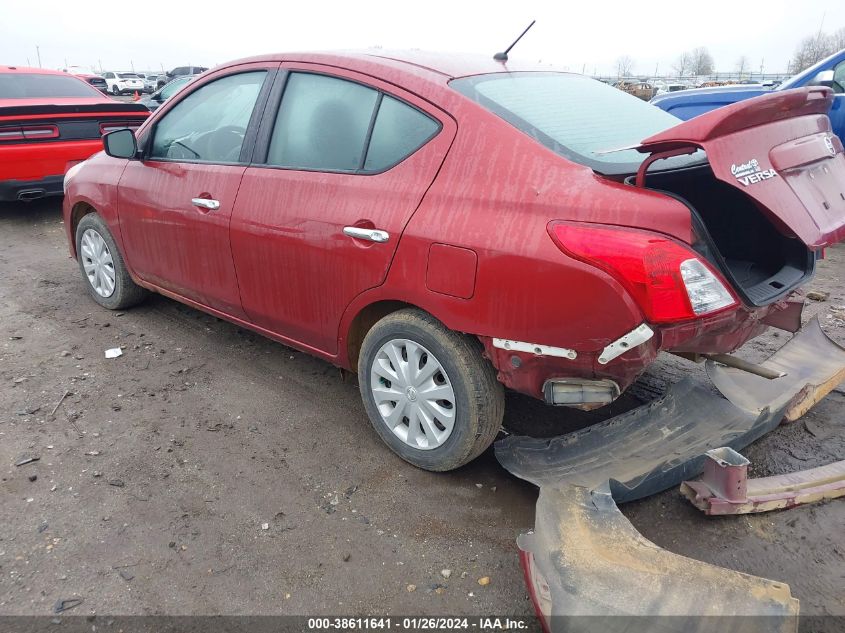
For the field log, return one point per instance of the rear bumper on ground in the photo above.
(24, 190)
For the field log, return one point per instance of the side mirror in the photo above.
(120, 144)
(823, 78)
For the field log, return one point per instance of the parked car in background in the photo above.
(667, 87)
(123, 82)
(640, 89)
(50, 120)
(153, 101)
(95, 80)
(829, 72)
(150, 83)
(180, 71)
(360, 207)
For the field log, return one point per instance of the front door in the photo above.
(348, 161)
(176, 203)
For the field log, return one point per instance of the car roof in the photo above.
(29, 70)
(434, 66)
(95, 98)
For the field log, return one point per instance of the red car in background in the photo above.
(450, 225)
(50, 120)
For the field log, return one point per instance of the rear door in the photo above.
(176, 203)
(779, 149)
(345, 163)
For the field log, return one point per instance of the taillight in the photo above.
(668, 281)
(105, 128)
(28, 132)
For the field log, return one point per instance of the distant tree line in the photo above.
(815, 48)
(699, 61)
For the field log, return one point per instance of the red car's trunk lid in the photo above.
(777, 148)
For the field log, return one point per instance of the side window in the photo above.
(839, 78)
(322, 124)
(400, 130)
(210, 123)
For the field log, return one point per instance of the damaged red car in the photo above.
(449, 226)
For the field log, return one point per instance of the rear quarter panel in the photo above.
(495, 195)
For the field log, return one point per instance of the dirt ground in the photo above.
(211, 471)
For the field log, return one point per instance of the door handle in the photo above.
(373, 235)
(206, 203)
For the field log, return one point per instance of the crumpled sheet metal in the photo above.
(591, 566)
(814, 365)
(764, 494)
(642, 452)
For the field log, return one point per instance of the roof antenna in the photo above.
(503, 57)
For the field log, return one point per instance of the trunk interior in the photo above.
(760, 262)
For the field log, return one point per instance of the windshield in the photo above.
(34, 85)
(577, 117)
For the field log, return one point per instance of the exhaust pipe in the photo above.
(27, 195)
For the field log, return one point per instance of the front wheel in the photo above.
(106, 276)
(428, 392)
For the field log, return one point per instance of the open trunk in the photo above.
(772, 193)
(733, 233)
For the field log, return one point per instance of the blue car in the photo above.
(829, 72)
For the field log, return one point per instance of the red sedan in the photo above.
(50, 120)
(449, 226)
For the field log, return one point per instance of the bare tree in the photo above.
(701, 61)
(682, 65)
(815, 48)
(837, 41)
(624, 66)
(742, 65)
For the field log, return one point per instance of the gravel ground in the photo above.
(210, 471)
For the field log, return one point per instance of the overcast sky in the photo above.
(578, 35)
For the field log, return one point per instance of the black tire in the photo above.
(479, 397)
(114, 90)
(126, 292)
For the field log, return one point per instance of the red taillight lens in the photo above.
(650, 267)
(29, 133)
(105, 128)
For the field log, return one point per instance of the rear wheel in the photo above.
(428, 392)
(102, 266)
(114, 90)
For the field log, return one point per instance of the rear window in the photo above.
(128, 76)
(575, 116)
(33, 85)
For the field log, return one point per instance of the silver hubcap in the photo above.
(97, 263)
(413, 394)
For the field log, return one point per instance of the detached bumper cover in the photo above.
(585, 564)
(813, 365)
(591, 570)
(642, 452)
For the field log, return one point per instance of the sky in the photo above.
(578, 36)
